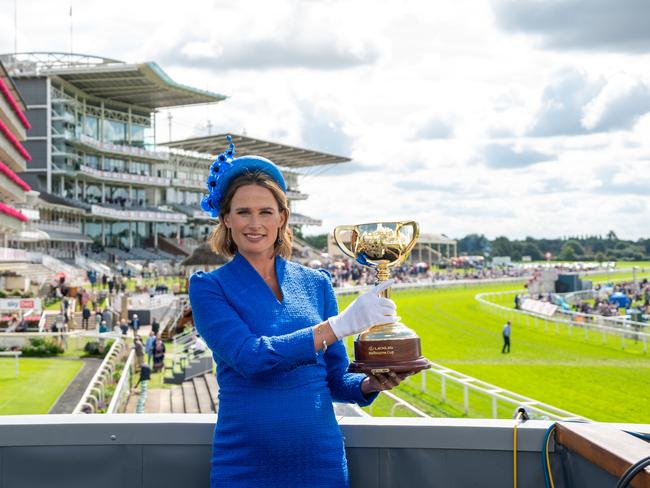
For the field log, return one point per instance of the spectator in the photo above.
(103, 327)
(98, 319)
(155, 327)
(145, 376)
(506, 338)
(85, 315)
(158, 354)
(65, 307)
(135, 324)
(151, 341)
(107, 315)
(139, 350)
(124, 327)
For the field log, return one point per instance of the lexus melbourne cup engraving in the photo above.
(383, 245)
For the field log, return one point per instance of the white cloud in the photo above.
(322, 75)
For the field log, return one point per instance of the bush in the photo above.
(39, 347)
(97, 349)
(3, 294)
(27, 294)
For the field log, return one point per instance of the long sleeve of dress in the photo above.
(228, 336)
(345, 387)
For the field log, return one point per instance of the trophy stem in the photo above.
(383, 274)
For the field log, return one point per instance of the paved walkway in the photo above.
(72, 394)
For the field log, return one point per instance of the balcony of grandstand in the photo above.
(13, 158)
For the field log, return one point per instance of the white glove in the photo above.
(367, 310)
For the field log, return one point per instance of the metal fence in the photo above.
(502, 304)
(95, 396)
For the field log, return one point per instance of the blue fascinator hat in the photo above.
(225, 168)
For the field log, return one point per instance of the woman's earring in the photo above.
(278, 241)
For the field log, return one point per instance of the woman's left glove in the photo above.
(367, 310)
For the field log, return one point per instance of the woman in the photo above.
(158, 355)
(274, 330)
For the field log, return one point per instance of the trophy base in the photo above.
(412, 366)
(383, 356)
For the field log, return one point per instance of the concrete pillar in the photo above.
(61, 186)
(178, 233)
(76, 189)
(103, 233)
(103, 191)
(130, 235)
(155, 234)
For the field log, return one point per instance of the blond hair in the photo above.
(220, 239)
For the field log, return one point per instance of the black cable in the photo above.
(632, 471)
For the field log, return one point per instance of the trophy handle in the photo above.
(339, 240)
(416, 234)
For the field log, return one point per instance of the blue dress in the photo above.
(276, 425)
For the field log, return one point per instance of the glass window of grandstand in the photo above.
(168, 230)
(93, 194)
(140, 234)
(119, 235)
(137, 135)
(191, 198)
(114, 132)
(91, 160)
(91, 127)
(117, 196)
(94, 231)
(139, 198)
(140, 168)
(115, 165)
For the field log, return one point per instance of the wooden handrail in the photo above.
(608, 448)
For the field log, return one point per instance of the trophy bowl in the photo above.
(382, 245)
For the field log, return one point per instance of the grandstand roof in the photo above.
(281, 154)
(435, 239)
(142, 84)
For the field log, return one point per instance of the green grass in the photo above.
(38, 386)
(584, 376)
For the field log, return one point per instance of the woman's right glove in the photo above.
(367, 310)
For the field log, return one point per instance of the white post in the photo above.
(494, 406)
(423, 385)
(443, 389)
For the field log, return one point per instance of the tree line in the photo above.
(569, 248)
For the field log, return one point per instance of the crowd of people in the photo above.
(349, 273)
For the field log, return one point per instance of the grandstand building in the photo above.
(191, 159)
(102, 177)
(13, 159)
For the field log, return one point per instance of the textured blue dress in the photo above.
(276, 425)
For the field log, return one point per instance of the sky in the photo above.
(516, 118)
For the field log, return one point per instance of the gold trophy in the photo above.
(391, 346)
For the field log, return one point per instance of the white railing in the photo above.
(119, 149)
(124, 177)
(55, 226)
(94, 397)
(9, 254)
(123, 389)
(137, 215)
(625, 329)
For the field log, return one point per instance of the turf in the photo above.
(582, 375)
(38, 386)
